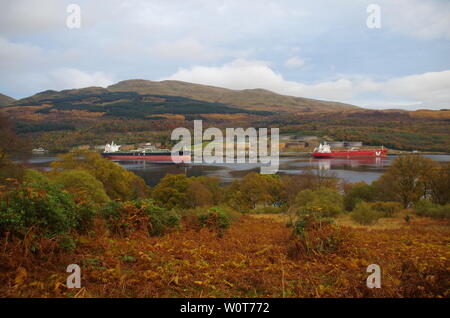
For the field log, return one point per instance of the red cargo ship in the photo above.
(324, 151)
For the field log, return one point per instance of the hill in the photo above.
(256, 99)
(103, 103)
(50, 95)
(145, 111)
(6, 100)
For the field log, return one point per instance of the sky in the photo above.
(321, 49)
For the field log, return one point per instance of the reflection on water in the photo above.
(327, 163)
(351, 170)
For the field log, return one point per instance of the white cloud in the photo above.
(431, 90)
(186, 49)
(244, 74)
(294, 62)
(32, 16)
(16, 56)
(426, 19)
(148, 39)
(66, 78)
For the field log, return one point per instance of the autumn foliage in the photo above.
(195, 237)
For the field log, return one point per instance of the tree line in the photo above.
(82, 187)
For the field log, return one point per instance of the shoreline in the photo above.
(391, 152)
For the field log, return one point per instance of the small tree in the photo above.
(357, 192)
(171, 191)
(364, 214)
(323, 202)
(81, 183)
(39, 207)
(118, 182)
(438, 180)
(406, 180)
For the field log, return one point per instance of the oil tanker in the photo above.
(148, 153)
(324, 151)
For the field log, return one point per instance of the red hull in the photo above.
(156, 159)
(351, 153)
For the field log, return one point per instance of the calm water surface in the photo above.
(351, 170)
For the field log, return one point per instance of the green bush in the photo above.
(356, 193)
(315, 235)
(171, 191)
(386, 209)
(429, 209)
(160, 218)
(118, 183)
(323, 202)
(82, 183)
(267, 210)
(216, 219)
(40, 207)
(125, 217)
(365, 214)
(307, 221)
(231, 213)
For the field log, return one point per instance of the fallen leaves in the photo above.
(251, 260)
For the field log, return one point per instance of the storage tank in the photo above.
(334, 144)
(353, 143)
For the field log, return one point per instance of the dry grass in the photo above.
(436, 114)
(251, 260)
(387, 223)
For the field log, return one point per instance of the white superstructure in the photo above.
(112, 147)
(323, 148)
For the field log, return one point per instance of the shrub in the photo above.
(267, 210)
(365, 214)
(231, 213)
(429, 209)
(315, 235)
(82, 183)
(123, 218)
(357, 192)
(254, 190)
(118, 183)
(323, 202)
(40, 207)
(10, 170)
(203, 191)
(160, 219)
(171, 191)
(386, 209)
(406, 180)
(215, 219)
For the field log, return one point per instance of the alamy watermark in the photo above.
(374, 279)
(374, 19)
(74, 279)
(238, 146)
(73, 20)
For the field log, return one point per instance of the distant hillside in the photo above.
(51, 95)
(99, 103)
(5, 100)
(257, 99)
(140, 99)
(137, 111)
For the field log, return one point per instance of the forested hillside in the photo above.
(144, 111)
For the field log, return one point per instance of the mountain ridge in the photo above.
(256, 99)
(6, 100)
